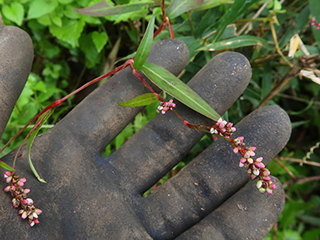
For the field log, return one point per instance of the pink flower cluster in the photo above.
(19, 198)
(255, 167)
(222, 128)
(314, 23)
(166, 106)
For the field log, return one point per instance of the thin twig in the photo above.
(293, 72)
(285, 168)
(300, 181)
(274, 35)
(297, 98)
(298, 161)
(1, 21)
(190, 23)
(254, 16)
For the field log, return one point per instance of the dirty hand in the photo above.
(88, 196)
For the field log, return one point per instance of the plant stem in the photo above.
(1, 21)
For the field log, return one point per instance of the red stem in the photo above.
(163, 11)
(162, 26)
(34, 128)
(58, 102)
(171, 30)
(145, 83)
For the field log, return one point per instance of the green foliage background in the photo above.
(71, 49)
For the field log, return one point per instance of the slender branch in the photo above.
(285, 168)
(293, 72)
(300, 181)
(298, 161)
(190, 22)
(1, 21)
(274, 35)
(254, 16)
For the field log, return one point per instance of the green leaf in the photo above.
(102, 9)
(236, 9)
(5, 166)
(236, 42)
(99, 39)
(39, 8)
(14, 12)
(210, 4)
(142, 100)
(145, 46)
(69, 32)
(176, 88)
(177, 7)
(31, 139)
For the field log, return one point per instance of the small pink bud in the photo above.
(8, 179)
(223, 130)
(266, 173)
(241, 164)
(38, 211)
(13, 187)
(235, 150)
(35, 215)
(253, 176)
(269, 191)
(222, 125)
(32, 224)
(24, 215)
(29, 201)
(22, 180)
(250, 160)
(267, 178)
(253, 148)
(241, 138)
(273, 186)
(247, 154)
(27, 190)
(257, 164)
(7, 189)
(233, 129)
(7, 174)
(230, 124)
(36, 221)
(243, 160)
(21, 211)
(259, 159)
(20, 183)
(215, 137)
(262, 165)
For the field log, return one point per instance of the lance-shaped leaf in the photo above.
(236, 42)
(142, 100)
(210, 4)
(145, 46)
(177, 7)
(178, 89)
(31, 139)
(5, 166)
(103, 9)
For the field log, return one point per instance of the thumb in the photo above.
(16, 55)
